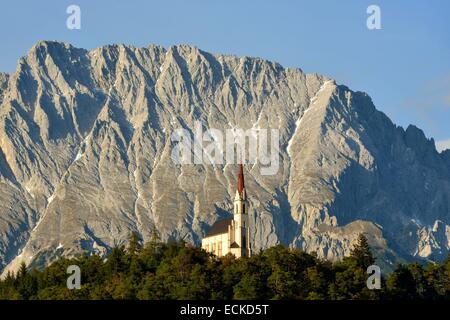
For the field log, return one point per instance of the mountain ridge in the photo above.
(85, 156)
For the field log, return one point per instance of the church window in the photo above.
(219, 248)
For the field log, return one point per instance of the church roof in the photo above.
(234, 245)
(219, 227)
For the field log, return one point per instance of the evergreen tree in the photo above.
(134, 244)
(25, 282)
(401, 284)
(117, 261)
(155, 238)
(362, 253)
(22, 273)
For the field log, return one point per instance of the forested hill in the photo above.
(177, 270)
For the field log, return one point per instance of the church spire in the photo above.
(240, 186)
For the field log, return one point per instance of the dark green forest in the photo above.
(176, 270)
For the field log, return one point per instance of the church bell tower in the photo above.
(241, 243)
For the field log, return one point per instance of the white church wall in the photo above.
(217, 244)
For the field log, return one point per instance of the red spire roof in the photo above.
(240, 185)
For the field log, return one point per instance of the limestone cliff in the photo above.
(85, 157)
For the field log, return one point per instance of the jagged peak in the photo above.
(413, 135)
(184, 46)
(50, 46)
(57, 51)
(53, 47)
(446, 156)
(51, 43)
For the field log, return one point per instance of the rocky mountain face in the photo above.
(85, 157)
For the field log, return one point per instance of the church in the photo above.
(231, 235)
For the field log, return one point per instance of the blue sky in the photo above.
(405, 66)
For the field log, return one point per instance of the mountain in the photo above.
(85, 157)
